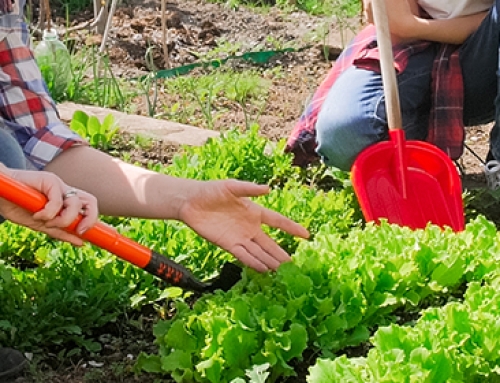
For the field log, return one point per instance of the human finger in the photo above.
(72, 205)
(279, 221)
(256, 250)
(261, 253)
(55, 201)
(244, 255)
(272, 249)
(90, 214)
(54, 232)
(246, 189)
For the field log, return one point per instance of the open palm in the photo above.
(222, 213)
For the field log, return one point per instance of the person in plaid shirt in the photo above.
(39, 150)
(447, 77)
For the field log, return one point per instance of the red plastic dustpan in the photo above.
(410, 183)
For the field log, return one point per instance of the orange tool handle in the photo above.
(100, 234)
(105, 237)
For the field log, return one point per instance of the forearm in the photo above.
(219, 211)
(406, 25)
(122, 189)
(452, 31)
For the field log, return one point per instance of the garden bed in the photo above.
(195, 25)
(200, 32)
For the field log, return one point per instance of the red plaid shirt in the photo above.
(446, 129)
(27, 110)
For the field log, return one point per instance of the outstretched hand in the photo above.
(221, 212)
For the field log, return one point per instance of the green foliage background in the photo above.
(52, 293)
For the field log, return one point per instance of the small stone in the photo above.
(93, 363)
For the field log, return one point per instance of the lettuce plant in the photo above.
(455, 343)
(336, 290)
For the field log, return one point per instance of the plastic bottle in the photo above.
(54, 61)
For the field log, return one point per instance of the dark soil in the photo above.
(194, 28)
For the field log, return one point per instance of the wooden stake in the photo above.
(166, 59)
(101, 14)
(109, 23)
(48, 14)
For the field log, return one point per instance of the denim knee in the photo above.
(340, 142)
(349, 119)
(11, 154)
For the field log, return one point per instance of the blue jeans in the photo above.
(353, 115)
(11, 154)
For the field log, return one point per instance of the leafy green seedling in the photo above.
(98, 134)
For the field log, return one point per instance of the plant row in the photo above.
(340, 287)
(455, 343)
(335, 292)
(53, 294)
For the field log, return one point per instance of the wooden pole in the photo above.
(166, 59)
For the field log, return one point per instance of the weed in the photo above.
(148, 85)
(317, 7)
(102, 88)
(223, 50)
(213, 92)
(342, 14)
(95, 375)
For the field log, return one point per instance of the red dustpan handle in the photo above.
(391, 93)
(105, 237)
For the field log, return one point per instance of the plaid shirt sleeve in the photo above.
(26, 108)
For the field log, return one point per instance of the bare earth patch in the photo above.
(197, 27)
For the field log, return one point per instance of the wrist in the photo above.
(188, 192)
